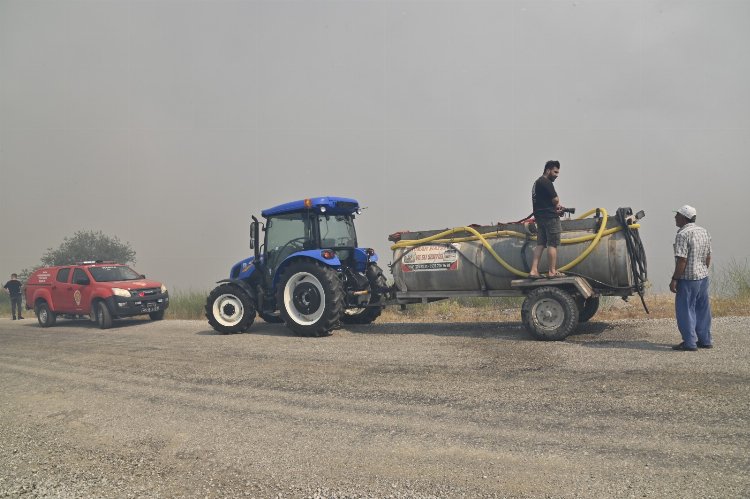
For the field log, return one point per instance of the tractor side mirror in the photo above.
(253, 231)
(255, 227)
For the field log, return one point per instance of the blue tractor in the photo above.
(308, 272)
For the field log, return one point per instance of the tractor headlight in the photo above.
(121, 292)
(163, 289)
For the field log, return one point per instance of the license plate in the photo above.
(150, 308)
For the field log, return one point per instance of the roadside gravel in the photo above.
(172, 409)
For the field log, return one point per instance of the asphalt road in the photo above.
(172, 409)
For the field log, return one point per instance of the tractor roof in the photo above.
(328, 204)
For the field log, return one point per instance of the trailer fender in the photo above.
(579, 284)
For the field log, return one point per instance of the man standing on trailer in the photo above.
(547, 208)
(692, 255)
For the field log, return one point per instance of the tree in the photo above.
(89, 245)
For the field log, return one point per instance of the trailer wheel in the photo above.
(310, 298)
(103, 316)
(587, 309)
(229, 309)
(44, 315)
(549, 313)
(366, 315)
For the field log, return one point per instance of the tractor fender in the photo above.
(243, 285)
(315, 255)
(362, 258)
(243, 269)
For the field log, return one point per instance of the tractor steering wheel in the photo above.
(295, 244)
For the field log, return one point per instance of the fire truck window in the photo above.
(79, 274)
(62, 275)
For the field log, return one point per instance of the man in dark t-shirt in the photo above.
(547, 208)
(14, 289)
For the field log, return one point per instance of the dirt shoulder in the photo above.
(405, 410)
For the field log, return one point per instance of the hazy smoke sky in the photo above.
(168, 123)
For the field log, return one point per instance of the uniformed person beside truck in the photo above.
(14, 290)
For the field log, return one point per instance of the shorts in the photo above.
(548, 232)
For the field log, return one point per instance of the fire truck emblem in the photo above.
(77, 297)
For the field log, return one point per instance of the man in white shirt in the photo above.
(692, 252)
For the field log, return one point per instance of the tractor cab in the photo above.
(317, 228)
(310, 224)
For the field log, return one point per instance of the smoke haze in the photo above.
(168, 123)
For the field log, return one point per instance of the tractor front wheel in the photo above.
(229, 309)
(310, 298)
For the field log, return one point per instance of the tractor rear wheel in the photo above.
(549, 313)
(310, 298)
(229, 309)
(366, 315)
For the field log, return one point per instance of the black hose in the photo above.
(637, 253)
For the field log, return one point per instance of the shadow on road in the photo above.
(85, 323)
(628, 345)
(594, 330)
(262, 329)
(500, 330)
(589, 334)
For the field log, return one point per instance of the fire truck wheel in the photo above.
(549, 313)
(156, 316)
(44, 315)
(229, 309)
(103, 316)
(310, 298)
(587, 309)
